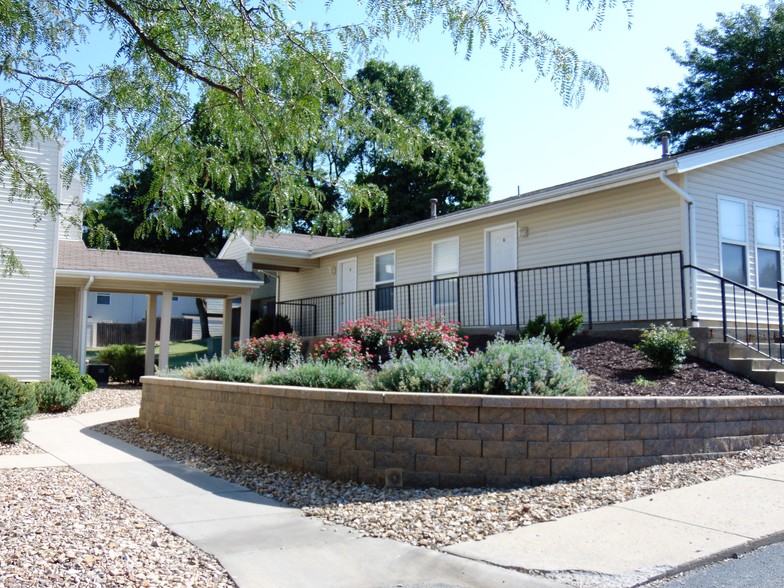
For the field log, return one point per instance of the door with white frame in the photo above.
(347, 287)
(500, 256)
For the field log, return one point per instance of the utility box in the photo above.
(99, 373)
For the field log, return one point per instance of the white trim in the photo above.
(773, 207)
(691, 161)
(387, 283)
(128, 277)
(744, 244)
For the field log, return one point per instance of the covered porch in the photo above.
(81, 270)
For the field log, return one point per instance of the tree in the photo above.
(449, 166)
(734, 87)
(266, 79)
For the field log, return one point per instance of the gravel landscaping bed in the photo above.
(108, 398)
(60, 529)
(437, 518)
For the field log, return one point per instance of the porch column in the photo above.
(245, 317)
(226, 338)
(149, 341)
(83, 326)
(166, 313)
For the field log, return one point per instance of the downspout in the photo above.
(83, 343)
(690, 235)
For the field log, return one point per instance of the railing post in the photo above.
(588, 286)
(315, 320)
(332, 314)
(408, 292)
(724, 310)
(683, 288)
(300, 317)
(458, 302)
(517, 303)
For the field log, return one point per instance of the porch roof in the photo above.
(136, 272)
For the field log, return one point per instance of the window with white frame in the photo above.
(104, 299)
(385, 281)
(446, 267)
(767, 238)
(732, 231)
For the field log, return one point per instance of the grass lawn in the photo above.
(180, 352)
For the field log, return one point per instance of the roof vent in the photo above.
(664, 137)
(433, 207)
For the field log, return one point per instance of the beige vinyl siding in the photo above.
(756, 178)
(237, 249)
(26, 302)
(66, 312)
(70, 212)
(620, 222)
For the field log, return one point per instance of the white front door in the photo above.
(500, 256)
(347, 287)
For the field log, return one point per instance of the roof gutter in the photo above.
(128, 277)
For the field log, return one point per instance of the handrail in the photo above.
(736, 284)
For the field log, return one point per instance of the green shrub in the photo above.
(558, 331)
(418, 373)
(126, 362)
(318, 374)
(223, 369)
(55, 396)
(431, 336)
(665, 346)
(270, 325)
(372, 334)
(17, 402)
(343, 350)
(274, 350)
(531, 367)
(66, 370)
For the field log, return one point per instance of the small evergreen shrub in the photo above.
(55, 396)
(274, 350)
(558, 331)
(66, 370)
(17, 403)
(232, 368)
(372, 334)
(270, 325)
(418, 373)
(318, 374)
(126, 362)
(429, 337)
(343, 350)
(665, 346)
(531, 367)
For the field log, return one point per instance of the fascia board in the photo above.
(128, 277)
(692, 161)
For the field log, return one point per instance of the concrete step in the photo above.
(737, 358)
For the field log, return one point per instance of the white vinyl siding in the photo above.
(27, 302)
(757, 178)
(446, 267)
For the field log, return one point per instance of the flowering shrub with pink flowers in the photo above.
(433, 336)
(274, 350)
(372, 334)
(343, 350)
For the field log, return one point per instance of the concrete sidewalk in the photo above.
(262, 543)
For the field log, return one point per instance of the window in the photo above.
(446, 267)
(103, 299)
(385, 281)
(732, 230)
(767, 237)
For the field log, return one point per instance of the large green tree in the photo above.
(734, 86)
(448, 168)
(268, 80)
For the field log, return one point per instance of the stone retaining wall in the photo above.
(445, 440)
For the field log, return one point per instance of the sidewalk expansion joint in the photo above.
(682, 522)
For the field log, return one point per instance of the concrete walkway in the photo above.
(261, 542)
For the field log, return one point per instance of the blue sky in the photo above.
(531, 140)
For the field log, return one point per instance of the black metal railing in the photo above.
(640, 288)
(748, 316)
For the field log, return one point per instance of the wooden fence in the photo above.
(136, 333)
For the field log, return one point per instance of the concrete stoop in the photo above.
(737, 358)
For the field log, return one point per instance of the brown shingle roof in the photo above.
(74, 255)
(293, 241)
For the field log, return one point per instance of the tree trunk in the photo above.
(204, 320)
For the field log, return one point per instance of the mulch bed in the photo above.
(614, 365)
